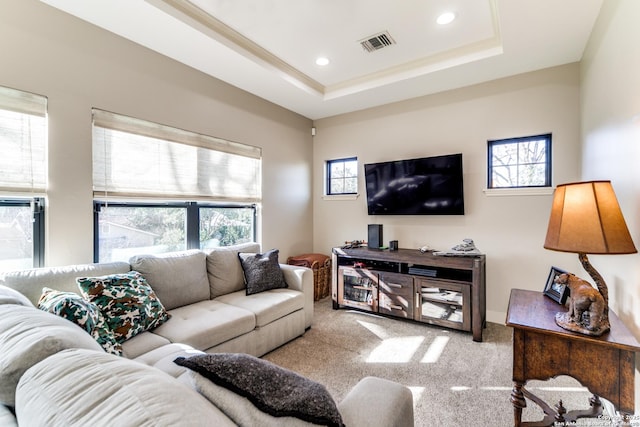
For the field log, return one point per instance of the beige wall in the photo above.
(79, 66)
(509, 229)
(611, 139)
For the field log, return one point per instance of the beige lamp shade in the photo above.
(586, 218)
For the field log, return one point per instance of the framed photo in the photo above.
(558, 293)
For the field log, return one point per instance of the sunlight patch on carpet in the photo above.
(395, 350)
(377, 330)
(435, 350)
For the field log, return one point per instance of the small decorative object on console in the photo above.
(353, 244)
(466, 248)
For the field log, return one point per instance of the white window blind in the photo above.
(23, 141)
(137, 158)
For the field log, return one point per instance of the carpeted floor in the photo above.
(455, 381)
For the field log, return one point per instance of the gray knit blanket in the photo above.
(272, 389)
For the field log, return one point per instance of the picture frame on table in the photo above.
(557, 292)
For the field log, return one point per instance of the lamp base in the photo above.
(565, 321)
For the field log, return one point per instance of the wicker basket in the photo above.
(321, 266)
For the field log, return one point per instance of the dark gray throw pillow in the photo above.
(272, 389)
(262, 271)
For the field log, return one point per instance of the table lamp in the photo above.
(586, 219)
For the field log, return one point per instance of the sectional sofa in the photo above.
(194, 303)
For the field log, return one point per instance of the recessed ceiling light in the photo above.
(446, 18)
(322, 61)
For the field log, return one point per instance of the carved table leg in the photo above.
(560, 411)
(518, 402)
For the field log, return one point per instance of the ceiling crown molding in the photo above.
(194, 16)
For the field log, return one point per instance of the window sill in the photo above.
(340, 197)
(537, 191)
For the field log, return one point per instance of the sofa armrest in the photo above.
(376, 402)
(301, 279)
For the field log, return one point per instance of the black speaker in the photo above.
(375, 236)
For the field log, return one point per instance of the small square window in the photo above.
(519, 162)
(342, 176)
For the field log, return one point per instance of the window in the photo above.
(124, 229)
(342, 176)
(520, 162)
(22, 233)
(23, 178)
(159, 189)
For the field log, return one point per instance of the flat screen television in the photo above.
(424, 186)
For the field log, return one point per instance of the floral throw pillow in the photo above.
(262, 271)
(127, 302)
(83, 313)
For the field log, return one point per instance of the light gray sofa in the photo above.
(54, 373)
(205, 295)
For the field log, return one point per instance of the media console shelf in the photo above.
(447, 291)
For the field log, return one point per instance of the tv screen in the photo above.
(425, 186)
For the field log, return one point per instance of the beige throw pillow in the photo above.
(178, 278)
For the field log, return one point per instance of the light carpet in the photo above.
(454, 380)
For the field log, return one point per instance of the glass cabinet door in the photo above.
(443, 302)
(358, 287)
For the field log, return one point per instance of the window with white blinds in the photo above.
(137, 158)
(23, 142)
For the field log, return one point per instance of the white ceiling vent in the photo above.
(377, 41)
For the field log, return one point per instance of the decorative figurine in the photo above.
(466, 248)
(586, 307)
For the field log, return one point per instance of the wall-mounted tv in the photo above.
(425, 186)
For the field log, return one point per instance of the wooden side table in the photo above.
(543, 350)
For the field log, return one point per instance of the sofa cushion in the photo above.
(274, 390)
(127, 302)
(267, 306)
(178, 278)
(11, 296)
(31, 281)
(224, 269)
(162, 358)
(262, 271)
(142, 343)
(84, 388)
(29, 335)
(206, 324)
(83, 313)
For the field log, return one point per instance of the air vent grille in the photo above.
(377, 41)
